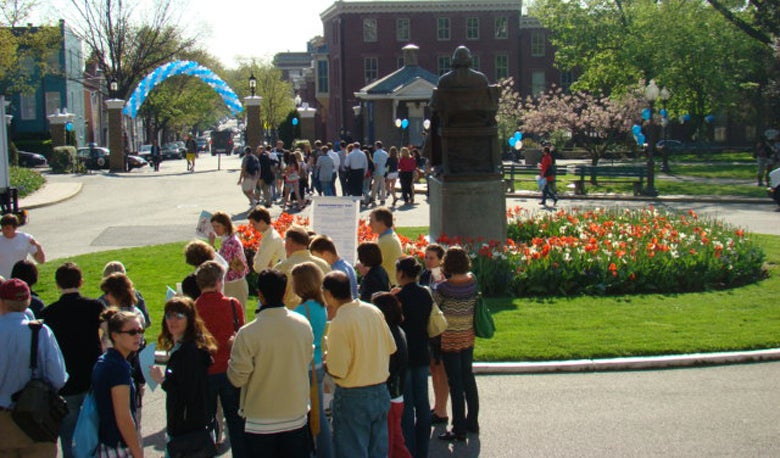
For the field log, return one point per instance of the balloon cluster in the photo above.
(646, 114)
(180, 67)
(515, 141)
(636, 129)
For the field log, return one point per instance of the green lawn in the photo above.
(533, 328)
(737, 171)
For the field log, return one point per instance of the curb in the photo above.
(66, 191)
(629, 363)
(624, 197)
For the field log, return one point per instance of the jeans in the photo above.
(69, 422)
(416, 421)
(462, 385)
(547, 191)
(342, 181)
(327, 188)
(407, 188)
(287, 444)
(229, 397)
(324, 439)
(360, 421)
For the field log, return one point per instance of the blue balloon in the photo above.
(636, 129)
(646, 113)
(69, 126)
(404, 124)
(519, 135)
(686, 117)
(640, 139)
(512, 141)
(664, 113)
(294, 121)
(181, 67)
(709, 118)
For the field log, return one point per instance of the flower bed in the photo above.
(596, 252)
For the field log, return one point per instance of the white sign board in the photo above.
(337, 217)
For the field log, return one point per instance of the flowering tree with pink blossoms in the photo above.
(595, 122)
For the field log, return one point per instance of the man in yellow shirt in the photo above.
(271, 249)
(296, 244)
(359, 347)
(381, 223)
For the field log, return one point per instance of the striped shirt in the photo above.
(457, 302)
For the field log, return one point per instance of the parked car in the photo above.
(145, 151)
(203, 144)
(98, 157)
(774, 185)
(171, 150)
(31, 159)
(182, 147)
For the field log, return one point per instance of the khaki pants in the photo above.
(14, 443)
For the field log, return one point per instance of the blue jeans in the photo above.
(463, 389)
(416, 421)
(547, 191)
(69, 423)
(324, 439)
(288, 444)
(360, 421)
(327, 188)
(229, 397)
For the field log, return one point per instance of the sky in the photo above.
(231, 29)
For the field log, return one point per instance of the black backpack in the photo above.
(252, 164)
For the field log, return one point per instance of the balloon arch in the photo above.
(180, 67)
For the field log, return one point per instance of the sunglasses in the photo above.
(175, 315)
(132, 332)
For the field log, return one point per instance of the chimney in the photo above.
(410, 55)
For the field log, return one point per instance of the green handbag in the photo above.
(484, 326)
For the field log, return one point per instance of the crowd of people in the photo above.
(327, 337)
(277, 175)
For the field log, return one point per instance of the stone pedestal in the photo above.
(57, 123)
(467, 209)
(116, 162)
(254, 129)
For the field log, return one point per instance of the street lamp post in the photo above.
(664, 95)
(253, 124)
(252, 84)
(651, 94)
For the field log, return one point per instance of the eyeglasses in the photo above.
(132, 332)
(175, 315)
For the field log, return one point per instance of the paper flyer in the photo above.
(146, 360)
(203, 229)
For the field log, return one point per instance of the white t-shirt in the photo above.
(14, 250)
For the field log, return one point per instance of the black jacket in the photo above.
(374, 281)
(186, 388)
(416, 303)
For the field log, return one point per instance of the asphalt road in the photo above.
(712, 411)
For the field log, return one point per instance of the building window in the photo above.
(475, 63)
(502, 28)
(472, 28)
(322, 76)
(443, 28)
(53, 102)
(443, 64)
(538, 83)
(537, 44)
(370, 69)
(27, 107)
(402, 30)
(400, 62)
(369, 30)
(502, 66)
(567, 78)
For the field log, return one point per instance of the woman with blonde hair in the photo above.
(185, 378)
(307, 284)
(392, 172)
(232, 251)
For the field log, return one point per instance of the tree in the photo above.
(128, 46)
(16, 12)
(596, 123)
(276, 92)
(24, 56)
(508, 113)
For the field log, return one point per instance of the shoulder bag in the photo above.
(39, 410)
(484, 326)
(85, 436)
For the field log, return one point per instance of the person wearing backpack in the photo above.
(250, 173)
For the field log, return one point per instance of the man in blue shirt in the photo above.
(15, 345)
(323, 247)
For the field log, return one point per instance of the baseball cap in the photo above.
(14, 290)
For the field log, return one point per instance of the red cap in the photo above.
(14, 290)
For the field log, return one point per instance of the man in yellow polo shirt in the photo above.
(381, 223)
(358, 359)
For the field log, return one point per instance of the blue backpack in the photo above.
(85, 436)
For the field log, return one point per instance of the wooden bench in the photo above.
(610, 175)
(518, 172)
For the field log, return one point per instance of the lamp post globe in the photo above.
(252, 84)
